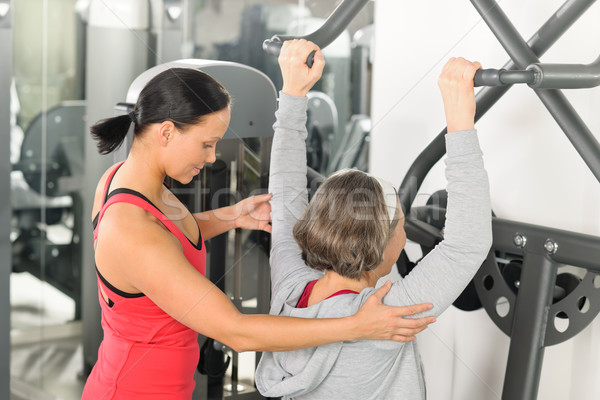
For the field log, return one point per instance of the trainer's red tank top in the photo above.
(145, 353)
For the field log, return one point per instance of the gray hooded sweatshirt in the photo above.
(365, 369)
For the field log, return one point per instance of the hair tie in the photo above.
(132, 117)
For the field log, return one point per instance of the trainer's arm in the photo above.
(158, 269)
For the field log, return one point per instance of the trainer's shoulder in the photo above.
(99, 192)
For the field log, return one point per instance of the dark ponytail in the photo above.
(180, 95)
(110, 132)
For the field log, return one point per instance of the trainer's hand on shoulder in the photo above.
(298, 78)
(377, 321)
(456, 85)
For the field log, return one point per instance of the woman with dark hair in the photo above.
(328, 254)
(150, 255)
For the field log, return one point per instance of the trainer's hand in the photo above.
(377, 321)
(456, 86)
(254, 213)
(298, 78)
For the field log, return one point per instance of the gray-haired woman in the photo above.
(326, 263)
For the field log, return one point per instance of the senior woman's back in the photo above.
(366, 369)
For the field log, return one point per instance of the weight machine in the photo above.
(48, 175)
(522, 266)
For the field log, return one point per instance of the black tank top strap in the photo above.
(109, 180)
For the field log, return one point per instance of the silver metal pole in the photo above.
(5, 209)
(117, 52)
(237, 286)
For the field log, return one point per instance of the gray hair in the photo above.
(346, 226)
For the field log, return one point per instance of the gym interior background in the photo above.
(67, 63)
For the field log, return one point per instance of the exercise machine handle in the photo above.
(487, 77)
(339, 20)
(273, 46)
(502, 77)
(544, 76)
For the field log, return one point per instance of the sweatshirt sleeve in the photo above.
(287, 183)
(443, 274)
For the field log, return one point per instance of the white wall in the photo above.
(535, 174)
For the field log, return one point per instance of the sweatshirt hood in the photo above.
(296, 373)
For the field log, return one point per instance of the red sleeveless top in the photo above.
(145, 353)
(303, 302)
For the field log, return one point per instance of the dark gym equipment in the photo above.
(322, 37)
(538, 298)
(351, 150)
(48, 197)
(361, 70)
(321, 125)
(425, 227)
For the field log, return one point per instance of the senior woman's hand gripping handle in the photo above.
(374, 320)
(456, 86)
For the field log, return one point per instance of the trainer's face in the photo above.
(196, 145)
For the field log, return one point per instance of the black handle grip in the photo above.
(311, 59)
(488, 77)
(273, 47)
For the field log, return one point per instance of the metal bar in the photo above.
(5, 209)
(511, 77)
(237, 288)
(505, 32)
(237, 267)
(566, 76)
(576, 249)
(105, 86)
(556, 103)
(359, 59)
(219, 173)
(500, 77)
(263, 295)
(327, 33)
(335, 24)
(574, 128)
(172, 17)
(540, 42)
(526, 351)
